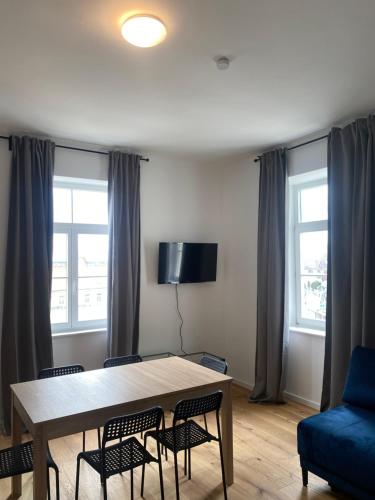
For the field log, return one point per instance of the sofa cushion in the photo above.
(360, 384)
(342, 441)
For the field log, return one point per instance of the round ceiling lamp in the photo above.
(143, 30)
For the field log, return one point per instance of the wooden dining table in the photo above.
(60, 406)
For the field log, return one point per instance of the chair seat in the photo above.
(342, 441)
(188, 435)
(19, 460)
(120, 457)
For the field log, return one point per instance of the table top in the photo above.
(55, 398)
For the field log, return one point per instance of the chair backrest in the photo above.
(127, 425)
(360, 383)
(60, 370)
(217, 364)
(122, 360)
(189, 408)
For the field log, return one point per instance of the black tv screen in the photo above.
(187, 262)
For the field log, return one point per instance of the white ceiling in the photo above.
(298, 66)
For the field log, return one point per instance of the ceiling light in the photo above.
(143, 30)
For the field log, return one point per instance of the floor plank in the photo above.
(265, 462)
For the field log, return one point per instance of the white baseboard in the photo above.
(304, 401)
(243, 384)
(287, 395)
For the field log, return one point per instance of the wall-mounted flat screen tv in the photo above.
(187, 262)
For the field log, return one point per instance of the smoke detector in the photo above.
(222, 62)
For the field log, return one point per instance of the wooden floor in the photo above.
(266, 462)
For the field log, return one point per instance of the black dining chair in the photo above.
(58, 371)
(189, 434)
(119, 361)
(214, 363)
(128, 453)
(122, 360)
(19, 460)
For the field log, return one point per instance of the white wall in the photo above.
(304, 373)
(307, 158)
(185, 199)
(181, 199)
(240, 224)
(305, 368)
(189, 200)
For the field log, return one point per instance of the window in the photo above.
(309, 239)
(80, 256)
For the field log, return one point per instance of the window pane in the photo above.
(62, 205)
(313, 269)
(59, 301)
(92, 254)
(90, 207)
(313, 252)
(314, 203)
(92, 299)
(313, 297)
(60, 255)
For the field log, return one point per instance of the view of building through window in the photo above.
(313, 268)
(311, 241)
(80, 257)
(92, 276)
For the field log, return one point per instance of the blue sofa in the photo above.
(339, 444)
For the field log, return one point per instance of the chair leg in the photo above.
(222, 465)
(143, 468)
(160, 471)
(99, 439)
(143, 479)
(48, 486)
(205, 422)
(189, 463)
(56, 469)
(77, 476)
(131, 484)
(163, 428)
(57, 478)
(185, 451)
(84, 441)
(305, 476)
(120, 441)
(104, 484)
(176, 476)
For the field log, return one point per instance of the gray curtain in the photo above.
(351, 251)
(124, 253)
(271, 278)
(26, 343)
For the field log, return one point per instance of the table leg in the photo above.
(40, 466)
(227, 432)
(16, 439)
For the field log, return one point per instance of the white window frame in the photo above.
(73, 230)
(298, 184)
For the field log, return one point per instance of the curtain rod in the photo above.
(77, 149)
(299, 145)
